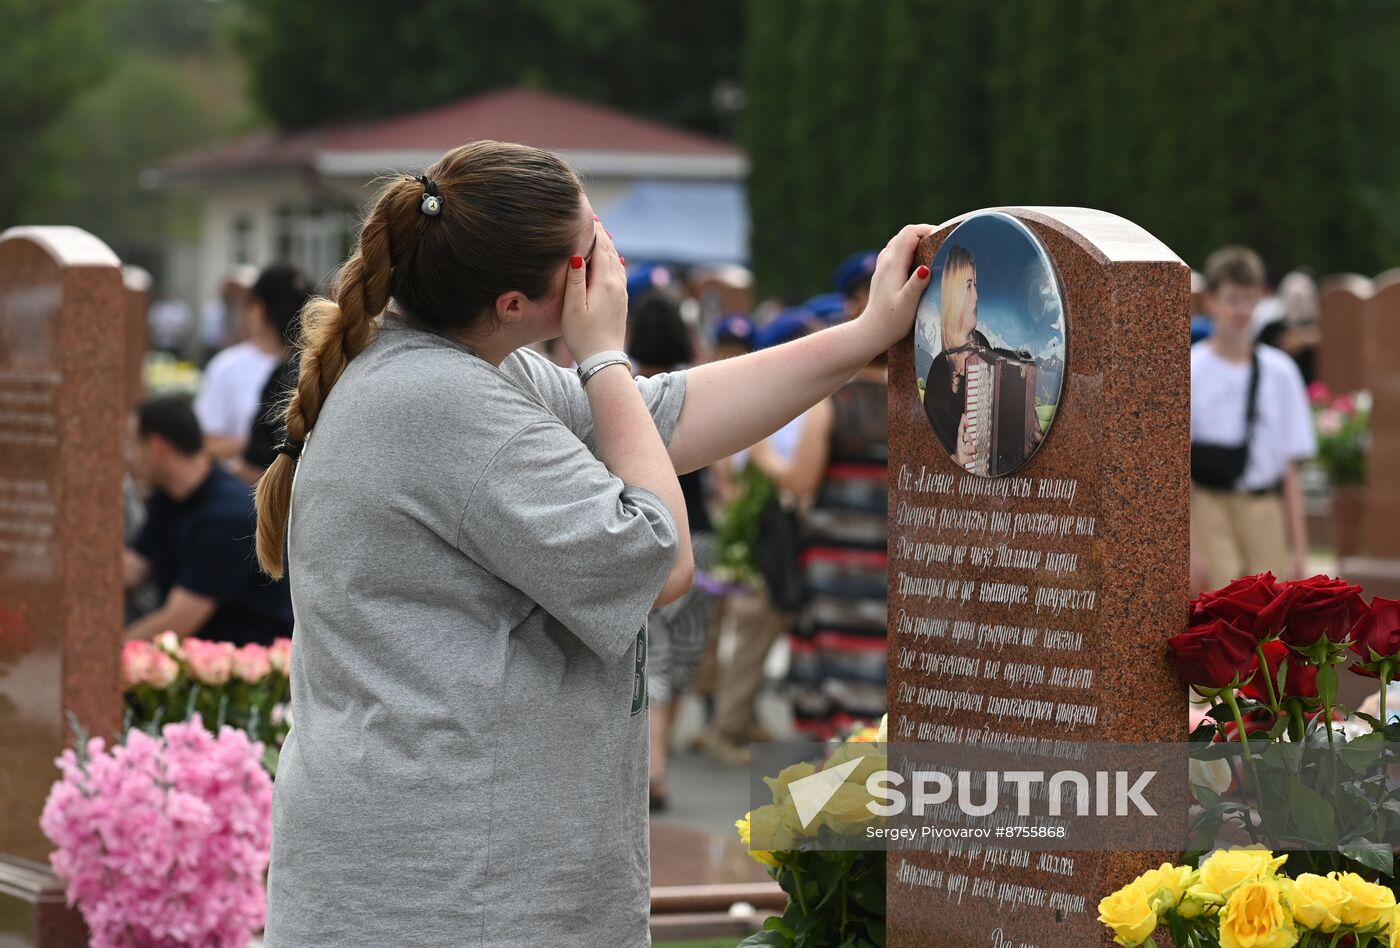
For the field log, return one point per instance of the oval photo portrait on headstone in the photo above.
(989, 344)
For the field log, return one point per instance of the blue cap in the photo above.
(830, 307)
(855, 268)
(786, 326)
(642, 277)
(734, 328)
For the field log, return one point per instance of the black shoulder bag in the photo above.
(1220, 466)
(777, 552)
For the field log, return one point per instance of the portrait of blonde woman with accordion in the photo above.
(979, 399)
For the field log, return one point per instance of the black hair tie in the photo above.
(431, 204)
(290, 448)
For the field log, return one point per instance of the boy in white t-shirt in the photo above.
(233, 382)
(1245, 527)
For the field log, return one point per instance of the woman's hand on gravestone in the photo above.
(894, 291)
(595, 301)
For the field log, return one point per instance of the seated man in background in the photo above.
(197, 542)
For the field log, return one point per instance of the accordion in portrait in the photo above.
(1000, 404)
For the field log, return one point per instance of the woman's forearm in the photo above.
(631, 447)
(735, 403)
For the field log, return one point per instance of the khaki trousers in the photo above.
(1239, 534)
(755, 626)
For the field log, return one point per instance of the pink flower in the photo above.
(1319, 393)
(164, 841)
(281, 656)
(211, 663)
(1329, 421)
(162, 671)
(136, 662)
(251, 663)
(1344, 404)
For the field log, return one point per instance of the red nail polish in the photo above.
(922, 272)
(575, 263)
(622, 260)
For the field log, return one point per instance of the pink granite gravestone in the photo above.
(63, 393)
(1376, 567)
(1075, 564)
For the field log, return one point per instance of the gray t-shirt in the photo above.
(467, 763)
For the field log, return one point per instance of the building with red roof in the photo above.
(296, 196)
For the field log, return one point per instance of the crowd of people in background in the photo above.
(807, 619)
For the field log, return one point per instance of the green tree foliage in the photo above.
(149, 108)
(175, 86)
(50, 51)
(1268, 122)
(318, 61)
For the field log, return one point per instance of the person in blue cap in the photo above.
(733, 337)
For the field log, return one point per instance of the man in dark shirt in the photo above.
(197, 543)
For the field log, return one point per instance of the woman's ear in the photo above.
(510, 306)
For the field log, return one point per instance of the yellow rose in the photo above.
(1129, 914)
(1318, 902)
(1164, 886)
(775, 827)
(1255, 917)
(873, 759)
(1227, 869)
(788, 775)
(846, 811)
(1198, 900)
(1370, 907)
(758, 855)
(1395, 928)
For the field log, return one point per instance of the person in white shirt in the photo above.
(1248, 520)
(233, 382)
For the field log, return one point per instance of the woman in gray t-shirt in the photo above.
(474, 537)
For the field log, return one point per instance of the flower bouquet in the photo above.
(836, 896)
(1279, 760)
(246, 687)
(163, 840)
(1343, 425)
(1238, 898)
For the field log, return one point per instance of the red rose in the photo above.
(1319, 608)
(1214, 655)
(1301, 681)
(1251, 604)
(1378, 632)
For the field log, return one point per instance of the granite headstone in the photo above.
(63, 392)
(1038, 603)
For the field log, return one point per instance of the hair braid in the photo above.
(333, 333)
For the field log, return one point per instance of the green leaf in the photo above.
(1373, 856)
(766, 939)
(1312, 816)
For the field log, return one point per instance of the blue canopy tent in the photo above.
(685, 224)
